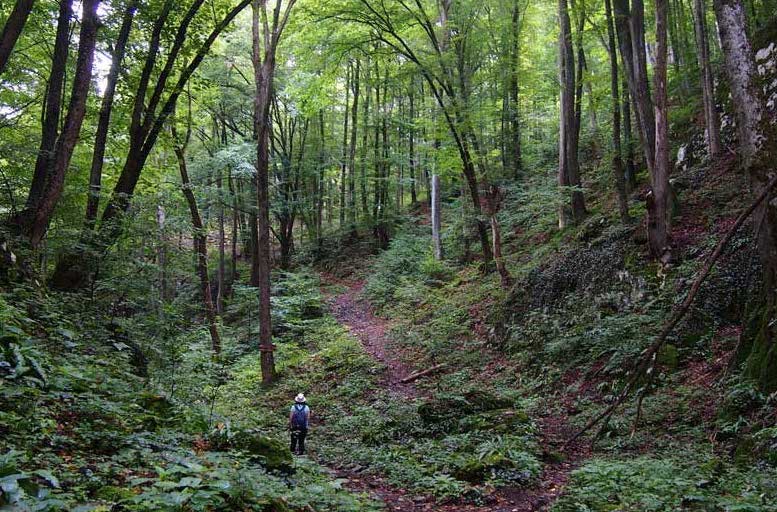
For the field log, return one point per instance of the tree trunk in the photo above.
(13, 29)
(320, 181)
(52, 111)
(344, 161)
(658, 216)
(161, 217)
(352, 150)
(436, 224)
(411, 144)
(757, 154)
(221, 275)
(200, 248)
(71, 129)
(494, 204)
(617, 153)
(641, 96)
(264, 71)
(637, 83)
(513, 114)
(711, 119)
(365, 141)
(628, 139)
(106, 107)
(568, 126)
(235, 229)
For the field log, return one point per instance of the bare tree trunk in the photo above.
(52, 112)
(707, 83)
(513, 114)
(344, 161)
(220, 281)
(200, 244)
(630, 47)
(494, 204)
(568, 143)
(658, 218)
(365, 141)
(436, 224)
(264, 72)
(321, 187)
(161, 217)
(641, 94)
(411, 144)
(235, 227)
(352, 150)
(13, 29)
(617, 153)
(628, 139)
(106, 107)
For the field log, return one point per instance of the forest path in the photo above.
(354, 311)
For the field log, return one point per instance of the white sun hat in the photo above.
(300, 399)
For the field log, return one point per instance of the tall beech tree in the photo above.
(106, 108)
(618, 168)
(659, 217)
(57, 145)
(630, 28)
(569, 126)
(199, 233)
(711, 120)
(266, 34)
(12, 29)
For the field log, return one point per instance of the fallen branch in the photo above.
(648, 355)
(418, 375)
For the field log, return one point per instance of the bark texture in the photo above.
(13, 29)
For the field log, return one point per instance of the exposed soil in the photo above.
(355, 312)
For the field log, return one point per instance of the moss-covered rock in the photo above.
(157, 410)
(443, 414)
(476, 470)
(503, 421)
(271, 453)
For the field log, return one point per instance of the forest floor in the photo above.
(352, 310)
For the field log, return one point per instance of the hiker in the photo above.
(299, 417)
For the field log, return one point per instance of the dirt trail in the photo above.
(355, 312)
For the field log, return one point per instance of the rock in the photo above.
(499, 420)
(764, 53)
(157, 410)
(443, 414)
(271, 453)
(475, 471)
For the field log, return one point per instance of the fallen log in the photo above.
(417, 375)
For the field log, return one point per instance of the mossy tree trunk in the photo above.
(757, 154)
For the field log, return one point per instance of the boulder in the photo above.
(445, 413)
(502, 421)
(475, 471)
(271, 453)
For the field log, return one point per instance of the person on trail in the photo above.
(299, 418)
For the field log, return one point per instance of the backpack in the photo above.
(299, 417)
